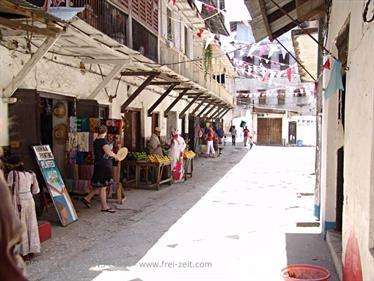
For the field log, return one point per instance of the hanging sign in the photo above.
(56, 187)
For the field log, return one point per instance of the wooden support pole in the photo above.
(140, 73)
(35, 58)
(210, 110)
(266, 20)
(18, 25)
(160, 99)
(220, 111)
(138, 90)
(188, 106)
(166, 112)
(224, 113)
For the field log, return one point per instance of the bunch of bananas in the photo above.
(155, 158)
(189, 154)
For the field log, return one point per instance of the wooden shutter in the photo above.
(146, 11)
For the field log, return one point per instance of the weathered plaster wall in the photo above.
(358, 143)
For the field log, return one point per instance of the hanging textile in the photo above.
(336, 81)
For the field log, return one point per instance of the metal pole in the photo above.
(299, 63)
(302, 28)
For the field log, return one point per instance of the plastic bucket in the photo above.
(303, 272)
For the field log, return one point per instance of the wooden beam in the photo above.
(140, 73)
(106, 61)
(187, 107)
(216, 112)
(160, 99)
(21, 11)
(204, 109)
(28, 66)
(265, 17)
(224, 113)
(138, 91)
(18, 25)
(181, 94)
(198, 106)
(161, 83)
(290, 6)
(210, 110)
(183, 88)
(106, 80)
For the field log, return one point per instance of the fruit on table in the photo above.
(139, 156)
(155, 158)
(189, 154)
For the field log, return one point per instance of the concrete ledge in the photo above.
(334, 242)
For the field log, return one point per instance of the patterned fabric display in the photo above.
(94, 123)
(82, 186)
(73, 124)
(85, 172)
(84, 125)
(81, 158)
(83, 142)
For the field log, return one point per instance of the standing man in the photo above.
(154, 142)
(233, 135)
(245, 133)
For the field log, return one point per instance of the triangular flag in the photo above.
(289, 74)
(336, 81)
(200, 32)
(210, 7)
(272, 76)
(284, 53)
(252, 50)
(327, 65)
(173, 2)
(262, 50)
(273, 49)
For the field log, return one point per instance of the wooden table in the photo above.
(188, 168)
(149, 175)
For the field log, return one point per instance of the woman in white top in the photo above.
(23, 184)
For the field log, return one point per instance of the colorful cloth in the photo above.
(72, 124)
(85, 172)
(94, 123)
(176, 151)
(83, 140)
(336, 81)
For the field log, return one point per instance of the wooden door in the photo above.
(132, 135)
(269, 131)
(155, 121)
(24, 127)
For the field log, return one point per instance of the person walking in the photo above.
(102, 175)
(233, 135)
(176, 152)
(154, 142)
(210, 145)
(23, 185)
(245, 133)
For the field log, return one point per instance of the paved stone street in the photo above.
(234, 220)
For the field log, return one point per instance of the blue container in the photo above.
(299, 143)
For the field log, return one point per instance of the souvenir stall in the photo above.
(79, 163)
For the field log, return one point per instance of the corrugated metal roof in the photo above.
(268, 20)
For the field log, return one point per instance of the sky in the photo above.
(236, 11)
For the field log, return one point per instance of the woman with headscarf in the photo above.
(23, 185)
(11, 265)
(176, 151)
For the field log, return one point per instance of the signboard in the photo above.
(55, 184)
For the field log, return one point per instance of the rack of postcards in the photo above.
(79, 164)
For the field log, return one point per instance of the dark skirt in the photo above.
(102, 176)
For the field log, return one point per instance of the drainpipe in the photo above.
(129, 27)
(317, 189)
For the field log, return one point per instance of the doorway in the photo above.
(292, 130)
(132, 130)
(155, 120)
(342, 44)
(172, 122)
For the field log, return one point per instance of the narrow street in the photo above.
(234, 220)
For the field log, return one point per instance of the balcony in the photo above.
(193, 71)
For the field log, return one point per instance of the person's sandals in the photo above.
(86, 202)
(109, 211)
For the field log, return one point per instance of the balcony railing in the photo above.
(193, 71)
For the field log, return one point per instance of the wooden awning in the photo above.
(272, 18)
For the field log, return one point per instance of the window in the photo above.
(262, 97)
(284, 61)
(169, 25)
(186, 42)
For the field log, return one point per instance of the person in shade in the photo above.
(12, 267)
(102, 175)
(155, 146)
(23, 185)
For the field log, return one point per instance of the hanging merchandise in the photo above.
(336, 81)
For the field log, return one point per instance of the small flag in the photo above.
(210, 8)
(327, 65)
(289, 74)
(173, 2)
(200, 32)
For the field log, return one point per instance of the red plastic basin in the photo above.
(304, 272)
